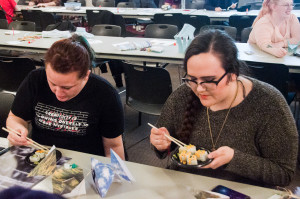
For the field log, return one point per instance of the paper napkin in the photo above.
(105, 174)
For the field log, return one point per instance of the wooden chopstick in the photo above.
(35, 144)
(178, 142)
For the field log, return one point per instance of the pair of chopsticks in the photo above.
(178, 142)
(35, 144)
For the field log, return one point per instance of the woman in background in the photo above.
(275, 27)
(8, 6)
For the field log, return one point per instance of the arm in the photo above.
(115, 144)
(277, 148)
(19, 125)
(263, 36)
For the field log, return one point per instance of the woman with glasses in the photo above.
(275, 27)
(246, 123)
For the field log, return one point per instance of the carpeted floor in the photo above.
(136, 138)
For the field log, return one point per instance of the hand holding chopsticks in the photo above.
(178, 142)
(35, 144)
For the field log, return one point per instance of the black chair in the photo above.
(103, 3)
(164, 31)
(2, 14)
(198, 21)
(245, 34)
(22, 25)
(6, 100)
(33, 16)
(23, 2)
(3, 24)
(169, 18)
(96, 17)
(13, 70)
(147, 89)
(275, 74)
(241, 22)
(107, 30)
(231, 31)
(83, 3)
(126, 5)
(47, 18)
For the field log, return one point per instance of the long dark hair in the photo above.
(69, 55)
(222, 46)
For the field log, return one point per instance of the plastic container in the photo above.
(72, 6)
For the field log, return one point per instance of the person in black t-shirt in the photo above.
(67, 105)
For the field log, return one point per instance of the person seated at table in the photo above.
(246, 123)
(173, 3)
(67, 105)
(275, 26)
(219, 5)
(44, 3)
(9, 6)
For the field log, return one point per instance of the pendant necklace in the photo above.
(212, 140)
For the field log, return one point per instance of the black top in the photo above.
(77, 124)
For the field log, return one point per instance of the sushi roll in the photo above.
(191, 148)
(181, 149)
(201, 155)
(182, 157)
(34, 158)
(192, 160)
(40, 153)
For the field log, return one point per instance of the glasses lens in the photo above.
(209, 86)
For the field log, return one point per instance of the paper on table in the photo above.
(94, 41)
(14, 42)
(12, 32)
(162, 42)
(56, 34)
(105, 174)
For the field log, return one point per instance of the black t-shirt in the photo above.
(77, 124)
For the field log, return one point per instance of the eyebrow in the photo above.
(62, 86)
(204, 77)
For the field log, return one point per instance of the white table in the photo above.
(151, 182)
(105, 49)
(125, 12)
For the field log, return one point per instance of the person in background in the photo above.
(275, 27)
(9, 6)
(219, 5)
(44, 3)
(67, 105)
(173, 3)
(245, 123)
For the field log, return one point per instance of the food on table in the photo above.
(188, 155)
(38, 156)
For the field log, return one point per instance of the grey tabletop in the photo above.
(151, 182)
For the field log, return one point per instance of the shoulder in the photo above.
(100, 85)
(36, 76)
(293, 18)
(178, 97)
(265, 20)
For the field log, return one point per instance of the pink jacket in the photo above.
(265, 33)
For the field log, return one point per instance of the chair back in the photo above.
(23, 2)
(165, 31)
(13, 70)
(96, 17)
(126, 5)
(22, 25)
(83, 3)
(231, 31)
(103, 3)
(275, 74)
(107, 30)
(47, 18)
(33, 16)
(245, 34)
(198, 21)
(3, 24)
(147, 86)
(241, 22)
(169, 18)
(6, 100)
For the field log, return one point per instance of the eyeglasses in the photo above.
(288, 5)
(208, 85)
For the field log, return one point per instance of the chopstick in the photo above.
(178, 142)
(35, 144)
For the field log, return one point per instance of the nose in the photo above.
(58, 91)
(200, 88)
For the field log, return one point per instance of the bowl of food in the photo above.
(190, 157)
(37, 156)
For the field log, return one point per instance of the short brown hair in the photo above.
(69, 55)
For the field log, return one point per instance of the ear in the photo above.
(87, 75)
